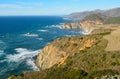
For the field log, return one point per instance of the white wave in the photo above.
(39, 39)
(1, 61)
(1, 52)
(31, 35)
(30, 62)
(42, 30)
(23, 55)
(54, 26)
(85, 32)
(69, 35)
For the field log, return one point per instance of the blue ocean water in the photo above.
(18, 49)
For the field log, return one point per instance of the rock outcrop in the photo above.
(84, 25)
(49, 56)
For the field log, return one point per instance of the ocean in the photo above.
(23, 37)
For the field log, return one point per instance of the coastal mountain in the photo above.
(97, 16)
(94, 18)
(81, 15)
(115, 12)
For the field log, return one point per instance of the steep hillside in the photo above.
(95, 17)
(113, 20)
(82, 15)
(79, 57)
(115, 12)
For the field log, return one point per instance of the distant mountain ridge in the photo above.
(115, 12)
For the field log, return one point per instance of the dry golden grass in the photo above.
(113, 40)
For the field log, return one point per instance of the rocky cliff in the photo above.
(85, 25)
(58, 51)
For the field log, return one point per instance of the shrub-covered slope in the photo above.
(88, 61)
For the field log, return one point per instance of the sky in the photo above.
(53, 7)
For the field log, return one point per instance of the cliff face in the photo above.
(49, 56)
(85, 25)
(58, 51)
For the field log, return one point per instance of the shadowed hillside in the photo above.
(115, 12)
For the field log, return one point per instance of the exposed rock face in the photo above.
(58, 51)
(49, 56)
(85, 25)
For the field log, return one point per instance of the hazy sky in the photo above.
(53, 7)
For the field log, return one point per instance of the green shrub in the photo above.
(75, 44)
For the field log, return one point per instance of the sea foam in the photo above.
(42, 30)
(85, 32)
(1, 52)
(30, 35)
(31, 63)
(54, 26)
(23, 54)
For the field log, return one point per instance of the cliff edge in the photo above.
(58, 51)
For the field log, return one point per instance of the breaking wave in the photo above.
(23, 54)
(42, 30)
(54, 26)
(1, 52)
(30, 35)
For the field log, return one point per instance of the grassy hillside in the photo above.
(97, 16)
(113, 20)
(92, 62)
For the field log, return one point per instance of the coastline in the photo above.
(63, 51)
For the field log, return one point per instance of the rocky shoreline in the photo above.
(79, 53)
(55, 54)
(88, 25)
